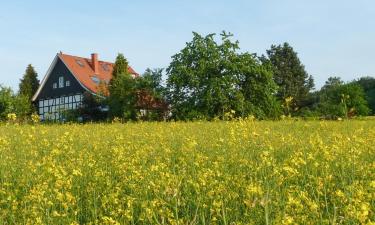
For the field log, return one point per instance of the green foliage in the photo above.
(152, 81)
(121, 66)
(151, 95)
(368, 85)
(342, 100)
(6, 102)
(122, 97)
(289, 74)
(22, 106)
(93, 108)
(29, 82)
(11, 103)
(207, 79)
(258, 88)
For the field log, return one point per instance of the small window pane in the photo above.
(78, 98)
(67, 83)
(40, 103)
(54, 85)
(61, 82)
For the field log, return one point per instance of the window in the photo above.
(105, 67)
(95, 79)
(78, 98)
(61, 82)
(67, 83)
(54, 85)
(80, 63)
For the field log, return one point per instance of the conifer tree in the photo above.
(289, 74)
(122, 96)
(120, 67)
(29, 82)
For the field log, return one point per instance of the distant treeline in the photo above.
(207, 80)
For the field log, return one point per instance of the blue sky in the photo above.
(332, 38)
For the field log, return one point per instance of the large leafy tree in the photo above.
(29, 82)
(207, 79)
(289, 74)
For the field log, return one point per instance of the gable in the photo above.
(50, 85)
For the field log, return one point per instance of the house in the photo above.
(67, 79)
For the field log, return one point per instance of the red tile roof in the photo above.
(82, 69)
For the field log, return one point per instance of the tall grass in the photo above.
(242, 172)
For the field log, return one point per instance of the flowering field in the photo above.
(245, 172)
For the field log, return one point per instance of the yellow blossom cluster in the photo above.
(223, 172)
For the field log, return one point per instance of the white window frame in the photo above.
(67, 83)
(61, 82)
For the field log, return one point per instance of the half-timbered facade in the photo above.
(65, 82)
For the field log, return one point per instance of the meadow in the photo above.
(242, 172)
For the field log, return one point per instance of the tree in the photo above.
(368, 85)
(6, 102)
(289, 74)
(92, 108)
(207, 79)
(121, 66)
(258, 88)
(11, 103)
(337, 99)
(151, 95)
(122, 90)
(333, 82)
(152, 81)
(29, 82)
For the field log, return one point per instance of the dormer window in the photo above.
(61, 82)
(105, 67)
(95, 79)
(80, 63)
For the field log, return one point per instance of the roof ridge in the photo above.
(88, 59)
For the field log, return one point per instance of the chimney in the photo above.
(95, 63)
